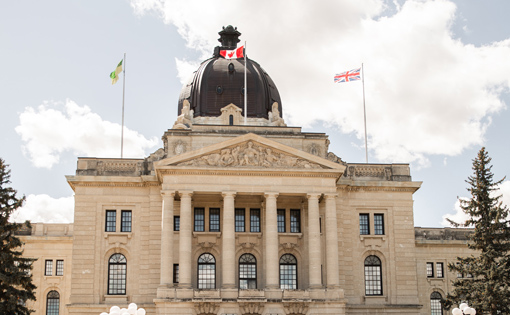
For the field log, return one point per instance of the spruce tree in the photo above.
(16, 286)
(485, 284)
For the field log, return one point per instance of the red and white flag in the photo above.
(233, 54)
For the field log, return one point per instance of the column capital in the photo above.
(169, 193)
(330, 195)
(228, 194)
(186, 193)
(271, 194)
(313, 195)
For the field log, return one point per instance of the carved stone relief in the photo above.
(252, 155)
(251, 308)
(295, 308)
(207, 308)
(179, 147)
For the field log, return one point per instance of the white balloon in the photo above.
(132, 310)
(467, 311)
(114, 308)
(116, 312)
(125, 313)
(462, 306)
(104, 313)
(132, 305)
(456, 311)
(473, 311)
(140, 311)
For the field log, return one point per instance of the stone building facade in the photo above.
(241, 215)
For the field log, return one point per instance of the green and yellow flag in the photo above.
(115, 74)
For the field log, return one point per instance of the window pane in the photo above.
(125, 224)
(254, 220)
(177, 223)
(247, 272)
(199, 219)
(295, 221)
(430, 270)
(110, 220)
(435, 304)
(379, 224)
(364, 224)
(60, 267)
(48, 271)
(239, 220)
(176, 273)
(288, 272)
(117, 274)
(373, 276)
(281, 220)
(206, 271)
(52, 303)
(439, 270)
(214, 219)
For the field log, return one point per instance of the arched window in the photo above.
(52, 303)
(206, 271)
(231, 120)
(247, 272)
(435, 303)
(373, 276)
(117, 266)
(288, 272)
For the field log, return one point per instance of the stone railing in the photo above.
(441, 234)
(381, 172)
(111, 167)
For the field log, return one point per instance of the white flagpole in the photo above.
(245, 87)
(364, 111)
(123, 94)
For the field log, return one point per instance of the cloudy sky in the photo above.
(437, 79)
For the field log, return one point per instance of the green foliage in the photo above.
(16, 286)
(486, 282)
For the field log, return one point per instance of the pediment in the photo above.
(249, 151)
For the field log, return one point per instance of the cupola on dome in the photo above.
(219, 82)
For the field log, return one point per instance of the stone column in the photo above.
(185, 240)
(228, 241)
(333, 280)
(271, 242)
(314, 241)
(167, 238)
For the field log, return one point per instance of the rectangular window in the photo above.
(254, 220)
(430, 270)
(125, 221)
(60, 268)
(177, 223)
(439, 270)
(364, 224)
(199, 219)
(281, 220)
(239, 220)
(214, 219)
(295, 221)
(176, 273)
(379, 224)
(111, 218)
(48, 269)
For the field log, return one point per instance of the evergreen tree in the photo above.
(486, 282)
(16, 286)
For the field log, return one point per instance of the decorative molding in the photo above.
(295, 308)
(179, 147)
(240, 172)
(250, 154)
(207, 308)
(251, 308)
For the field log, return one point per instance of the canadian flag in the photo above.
(230, 54)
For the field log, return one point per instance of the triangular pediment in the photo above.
(250, 151)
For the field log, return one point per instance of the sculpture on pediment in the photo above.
(274, 117)
(250, 155)
(185, 119)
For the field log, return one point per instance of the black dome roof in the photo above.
(219, 82)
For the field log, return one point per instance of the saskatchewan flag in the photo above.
(115, 74)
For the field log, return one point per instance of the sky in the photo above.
(436, 81)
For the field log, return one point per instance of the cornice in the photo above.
(241, 172)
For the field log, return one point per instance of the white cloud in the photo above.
(45, 209)
(426, 92)
(459, 216)
(53, 128)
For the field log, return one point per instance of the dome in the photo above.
(219, 82)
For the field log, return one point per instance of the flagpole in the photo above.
(245, 87)
(364, 111)
(123, 94)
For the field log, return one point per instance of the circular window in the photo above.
(231, 67)
(219, 89)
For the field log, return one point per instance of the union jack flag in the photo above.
(347, 76)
